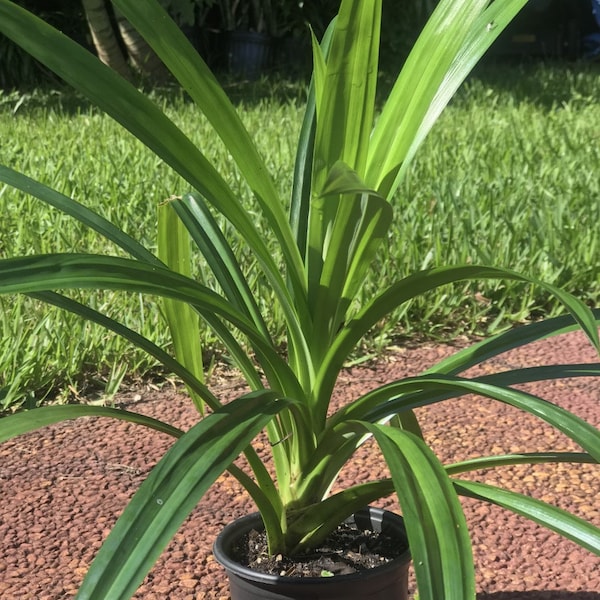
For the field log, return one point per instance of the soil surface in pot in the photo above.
(63, 487)
(346, 550)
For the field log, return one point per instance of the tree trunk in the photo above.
(103, 35)
(142, 57)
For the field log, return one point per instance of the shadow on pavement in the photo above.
(540, 595)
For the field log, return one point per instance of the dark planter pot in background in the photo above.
(249, 53)
(388, 582)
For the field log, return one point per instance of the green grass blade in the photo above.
(174, 249)
(171, 491)
(26, 421)
(435, 523)
(573, 528)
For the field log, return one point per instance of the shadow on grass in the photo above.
(58, 97)
(546, 84)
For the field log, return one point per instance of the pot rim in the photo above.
(242, 525)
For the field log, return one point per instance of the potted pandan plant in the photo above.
(348, 166)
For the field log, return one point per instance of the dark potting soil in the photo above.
(346, 550)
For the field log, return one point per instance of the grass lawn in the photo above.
(508, 177)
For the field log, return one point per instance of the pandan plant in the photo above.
(349, 164)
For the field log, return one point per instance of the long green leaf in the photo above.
(345, 110)
(167, 40)
(56, 271)
(578, 530)
(482, 34)
(429, 396)
(308, 528)
(415, 88)
(526, 458)
(346, 105)
(336, 446)
(78, 211)
(435, 523)
(585, 434)
(503, 342)
(217, 252)
(30, 420)
(419, 283)
(303, 166)
(359, 227)
(171, 491)
(454, 39)
(137, 113)
(264, 494)
(223, 263)
(220, 258)
(174, 249)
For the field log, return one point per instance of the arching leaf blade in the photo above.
(171, 491)
(78, 211)
(139, 115)
(174, 249)
(435, 523)
(525, 458)
(217, 252)
(174, 49)
(31, 420)
(503, 342)
(580, 531)
(62, 271)
(421, 282)
(580, 431)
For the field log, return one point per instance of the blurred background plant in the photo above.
(96, 24)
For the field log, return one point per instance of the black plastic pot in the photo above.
(249, 53)
(387, 582)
